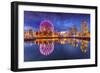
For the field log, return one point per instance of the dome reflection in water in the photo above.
(46, 49)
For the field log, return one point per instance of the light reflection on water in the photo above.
(46, 48)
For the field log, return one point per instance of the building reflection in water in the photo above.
(47, 45)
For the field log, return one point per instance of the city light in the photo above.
(46, 36)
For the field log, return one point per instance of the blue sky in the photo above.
(61, 21)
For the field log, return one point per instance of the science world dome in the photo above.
(46, 25)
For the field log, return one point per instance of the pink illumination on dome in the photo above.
(46, 25)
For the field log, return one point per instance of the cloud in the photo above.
(27, 28)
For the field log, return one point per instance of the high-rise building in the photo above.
(84, 28)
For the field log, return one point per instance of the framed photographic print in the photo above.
(52, 36)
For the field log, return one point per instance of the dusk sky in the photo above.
(61, 21)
